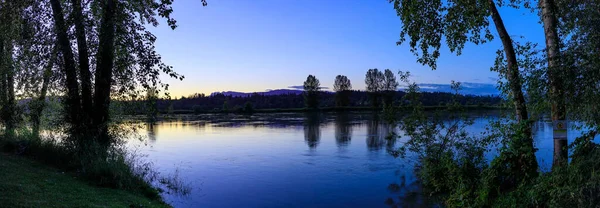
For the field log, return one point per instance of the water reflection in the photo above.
(343, 130)
(151, 128)
(266, 155)
(312, 130)
(379, 134)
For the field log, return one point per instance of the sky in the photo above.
(257, 45)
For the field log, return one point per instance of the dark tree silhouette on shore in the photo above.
(374, 81)
(311, 92)
(390, 86)
(342, 88)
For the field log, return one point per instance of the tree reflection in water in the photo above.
(343, 129)
(380, 134)
(312, 130)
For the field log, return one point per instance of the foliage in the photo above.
(312, 87)
(428, 23)
(342, 88)
(374, 81)
(578, 25)
(151, 108)
(390, 86)
(452, 162)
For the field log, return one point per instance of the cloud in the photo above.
(300, 87)
(466, 88)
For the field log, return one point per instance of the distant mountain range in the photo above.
(468, 88)
(268, 92)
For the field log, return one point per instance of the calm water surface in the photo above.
(294, 160)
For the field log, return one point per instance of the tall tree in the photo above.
(10, 23)
(104, 71)
(113, 34)
(342, 88)
(26, 28)
(73, 101)
(312, 86)
(390, 86)
(374, 80)
(549, 19)
(427, 23)
(84, 62)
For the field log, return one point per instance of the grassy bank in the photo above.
(26, 183)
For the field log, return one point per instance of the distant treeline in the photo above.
(217, 102)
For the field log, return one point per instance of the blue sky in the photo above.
(255, 45)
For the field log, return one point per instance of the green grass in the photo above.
(26, 183)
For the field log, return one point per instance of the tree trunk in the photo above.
(41, 101)
(73, 105)
(7, 93)
(105, 58)
(10, 105)
(556, 92)
(84, 63)
(3, 89)
(513, 77)
(512, 73)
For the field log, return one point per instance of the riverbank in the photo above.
(326, 109)
(27, 183)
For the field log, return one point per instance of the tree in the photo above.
(151, 108)
(104, 72)
(578, 25)
(342, 88)
(374, 81)
(29, 57)
(312, 87)
(427, 23)
(556, 92)
(40, 103)
(390, 86)
(84, 63)
(126, 63)
(10, 25)
(72, 101)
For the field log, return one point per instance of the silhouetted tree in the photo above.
(390, 85)
(151, 107)
(311, 92)
(374, 81)
(113, 34)
(342, 88)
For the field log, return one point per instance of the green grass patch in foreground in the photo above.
(26, 183)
